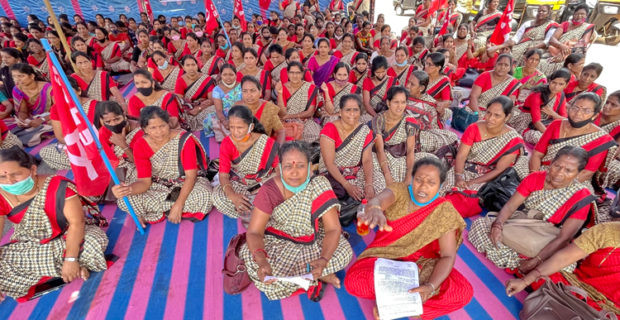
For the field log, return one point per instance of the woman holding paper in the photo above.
(417, 226)
(295, 230)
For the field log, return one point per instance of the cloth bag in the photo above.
(528, 235)
(467, 81)
(557, 302)
(461, 118)
(235, 274)
(494, 194)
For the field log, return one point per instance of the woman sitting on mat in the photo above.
(265, 111)
(119, 132)
(333, 91)
(95, 84)
(375, 87)
(166, 73)
(225, 94)
(248, 157)
(439, 86)
(168, 164)
(195, 88)
(346, 153)
(52, 237)
(585, 83)
(417, 226)
(150, 93)
(556, 207)
(488, 147)
(490, 84)
(284, 238)
(598, 272)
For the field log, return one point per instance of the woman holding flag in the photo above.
(484, 23)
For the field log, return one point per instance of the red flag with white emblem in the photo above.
(502, 29)
(444, 28)
(239, 13)
(90, 173)
(211, 16)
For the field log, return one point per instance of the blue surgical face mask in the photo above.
(193, 25)
(421, 204)
(224, 47)
(299, 188)
(164, 66)
(400, 65)
(19, 188)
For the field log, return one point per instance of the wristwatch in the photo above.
(70, 259)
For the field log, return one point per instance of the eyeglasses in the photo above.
(580, 110)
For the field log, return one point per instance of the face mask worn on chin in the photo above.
(579, 124)
(341, 83)
(145, 91)
(164, 66)
(20, 187)
(421, 204)
(578, 22)
(299, 188)
(224, 47)
(175, 38)
(402, 64)
(117, 128)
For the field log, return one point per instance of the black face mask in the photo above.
(101, 40)
(145, 91)
(579, 124)
(117, 128)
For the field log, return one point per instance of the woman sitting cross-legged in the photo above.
(417, 226)
(248, 157)
(346, 152)
(295, 229)
(150, 93)
(556, 205)
(52, 237)
(598, 272)
(117, 131)
(168, 163)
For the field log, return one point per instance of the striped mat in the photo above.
(174, 272)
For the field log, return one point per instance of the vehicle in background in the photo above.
(400, 6)
(606, 17)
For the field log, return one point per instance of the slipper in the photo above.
(317, 294)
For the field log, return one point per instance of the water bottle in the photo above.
(362, 229)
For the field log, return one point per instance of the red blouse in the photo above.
(533, 104)
(142, 154)
(169, 104)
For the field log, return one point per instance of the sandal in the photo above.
(316, 293)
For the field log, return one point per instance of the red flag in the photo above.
(444, 28)
(91, 176)
(211, 16)
(264, 4)
(436, 5)
(239, 13)
(502, 29)
(148, 9)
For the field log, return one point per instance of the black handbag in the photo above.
(494, 194)
(467, 81)
(348, 211)
(461, 118)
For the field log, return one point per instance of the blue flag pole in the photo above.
(104, 156)
(219, 19)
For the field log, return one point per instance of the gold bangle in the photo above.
(375, 207)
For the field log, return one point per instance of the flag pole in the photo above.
(104, 156)
(222, 25)
(63, 39)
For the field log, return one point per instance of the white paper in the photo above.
(302, 281)
(393, 279)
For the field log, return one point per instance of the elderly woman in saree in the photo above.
(585, 82)
(596, 251)
(210, 64)
(248, 158)
(439, 86)
(54, 154)
(195, 87)
(95, 84)
(347, 52)
(571, 36)
(545, 104)
(402, 69)
(265, 111)
(346, 153)
(533, 34)
(32, 99)
(484, 23)
(375, 87)
(298, 100)
(250, 68)
(333, 92)
(359, 70)
(110, 52)
(150, 93)
(417, 226)
(431, 134)
(282, 239)
(491, 84)
(52, 237)
(609, 120)
(488, 147)
(577, 130)
(322, 65)
(395, 141)
(556, 205)
(165, 72)
(528, 75)
(225, 94)
(169, 165)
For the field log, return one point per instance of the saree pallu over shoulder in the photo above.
(199, 88)
(349, 152)
(211, 66)
(488, 21)
(171, 79)
(489, 152)
(532, 36)
(255, 163)
(379, 92)
(435, 87)
(505, 88)
(302, 99)
(558, 205)
(594, 143)
(98, 88)
(412, 231)
(395, 139)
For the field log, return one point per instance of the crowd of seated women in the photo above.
(313, 112)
